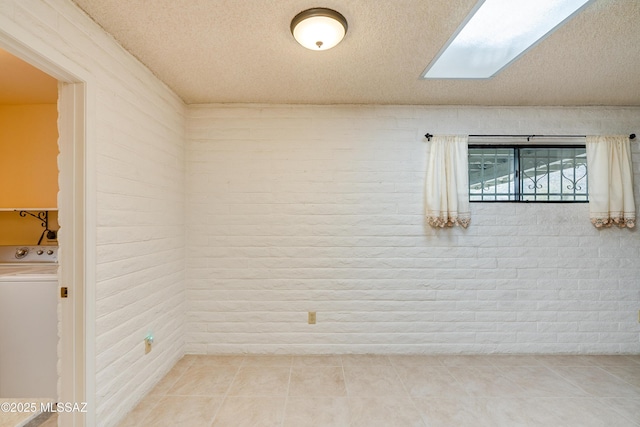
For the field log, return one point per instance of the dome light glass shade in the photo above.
(319, 28)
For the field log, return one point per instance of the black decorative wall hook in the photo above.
(42, 216)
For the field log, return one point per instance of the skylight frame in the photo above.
(464, 24)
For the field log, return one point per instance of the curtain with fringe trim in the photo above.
(447, 182)
(610, 174)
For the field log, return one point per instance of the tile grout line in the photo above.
(571, 381)
(602, 399)
(346, 388)
(226, 394)
(286, 396)
(404, 387)
(457, 380)
(163, 395)
(614, 409)
(604, 368)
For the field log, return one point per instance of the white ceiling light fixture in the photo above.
(319, 28)
(496, 33)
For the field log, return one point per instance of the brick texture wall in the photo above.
(311, 208)
(291, 209)
(136, 131)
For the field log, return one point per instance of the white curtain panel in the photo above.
(447, 182)
(610, 174)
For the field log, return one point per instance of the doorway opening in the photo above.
(75, 330)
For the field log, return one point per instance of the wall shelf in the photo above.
(28, 209)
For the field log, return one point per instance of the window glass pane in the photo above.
(553, 174)
(536, 174)
(491, 174)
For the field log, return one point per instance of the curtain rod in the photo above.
(429, 136)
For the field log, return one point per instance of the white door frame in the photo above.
(76, 204)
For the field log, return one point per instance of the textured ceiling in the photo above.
(242, 51)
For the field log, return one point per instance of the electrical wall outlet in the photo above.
(312, 317)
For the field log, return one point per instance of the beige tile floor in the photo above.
(389, 391)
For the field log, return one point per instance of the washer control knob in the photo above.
(22, 252)
(39, 251)
(50, 252)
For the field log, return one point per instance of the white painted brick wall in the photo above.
(137, 128)
(319, 208)
(301, 208)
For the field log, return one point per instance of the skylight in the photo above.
(496, 33)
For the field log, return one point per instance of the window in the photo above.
(527, 174)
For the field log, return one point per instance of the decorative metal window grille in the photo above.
(527, 174)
